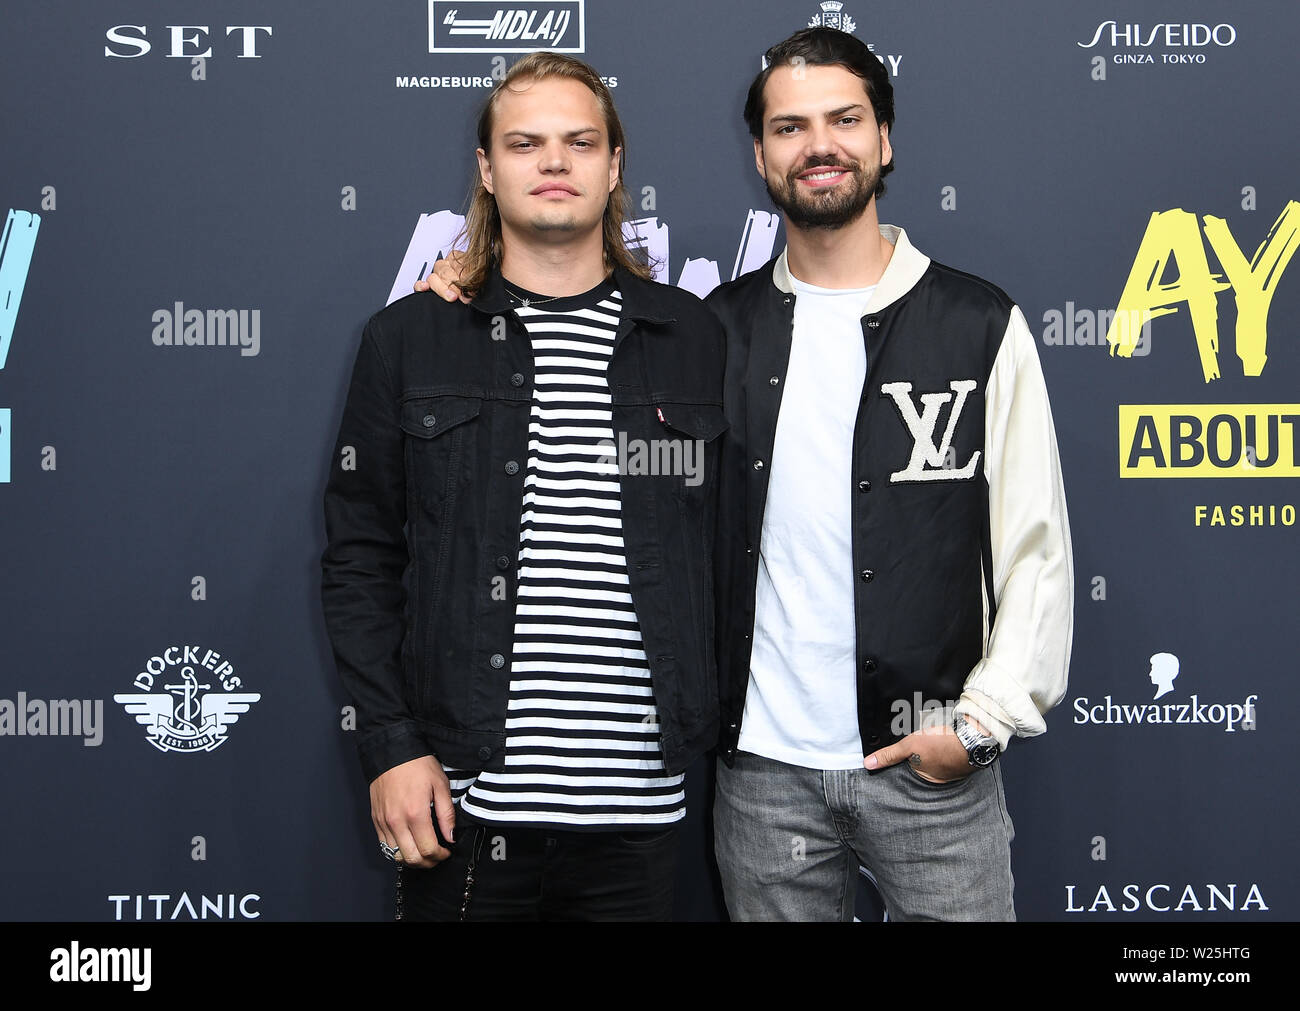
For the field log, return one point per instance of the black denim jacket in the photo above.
(422, 513)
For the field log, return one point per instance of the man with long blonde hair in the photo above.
(518, 572)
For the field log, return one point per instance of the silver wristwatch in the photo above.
(980, 749)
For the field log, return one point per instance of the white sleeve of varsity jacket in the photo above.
(1025, 662)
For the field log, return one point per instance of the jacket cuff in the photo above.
(988, 714)
(390, 746)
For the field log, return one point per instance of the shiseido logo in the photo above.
(1168, 36)
(187, 42)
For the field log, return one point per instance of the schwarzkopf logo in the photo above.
(831, 17)
(174, 702)
(1164, 670)
(488, 26)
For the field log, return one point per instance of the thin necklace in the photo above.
(524, 303)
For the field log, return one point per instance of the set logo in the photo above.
(187, 42)
(179, 703)
(833, 15)
(487, 26)
(1164, 671)
(1169, 44)
(931, 461)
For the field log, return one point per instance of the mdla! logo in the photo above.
(178, 703)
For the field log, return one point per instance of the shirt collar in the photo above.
(904, 269)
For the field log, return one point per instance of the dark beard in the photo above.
(825, 210)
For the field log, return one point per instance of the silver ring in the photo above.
(392, 852)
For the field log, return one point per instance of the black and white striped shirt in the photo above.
(582, 731)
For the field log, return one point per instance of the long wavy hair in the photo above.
(482, 232)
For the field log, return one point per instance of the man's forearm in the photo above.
(1023, 673)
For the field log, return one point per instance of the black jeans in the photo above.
(546, 874)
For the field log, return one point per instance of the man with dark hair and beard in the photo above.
(903, 591)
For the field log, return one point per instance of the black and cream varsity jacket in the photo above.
(960, 540)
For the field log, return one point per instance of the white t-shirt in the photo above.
(802, 703)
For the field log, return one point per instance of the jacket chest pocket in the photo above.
(439, 433)
(690, 446)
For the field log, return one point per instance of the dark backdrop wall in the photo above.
(205, 201)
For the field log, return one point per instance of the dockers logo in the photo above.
(480, 26)
(931, 461)
(185, 715)
(1164, 670)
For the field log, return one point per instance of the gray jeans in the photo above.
(789, 841)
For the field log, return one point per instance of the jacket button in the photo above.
(749, 551)
(503, 562)
(484, 753)
(497, 661)
(868, 575)
(512, 468)
(868, 666)
(517, 379)
(774, 380)
(758, 464)
(864, 486)
(787, 300)
(733, 726)
(429, 421)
